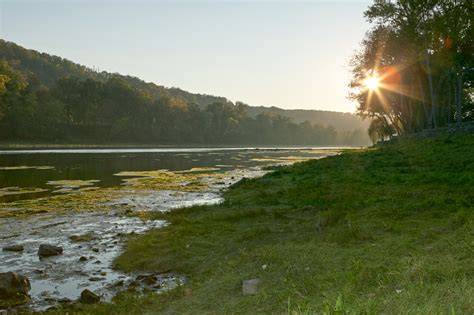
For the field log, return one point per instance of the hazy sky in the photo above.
(291, 54)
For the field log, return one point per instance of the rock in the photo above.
(96, 279)
(149, 280)
(249, 287)
(13, 248)
(118, 283)
(87, 237)
(83, 258)
(133, 284)
(103, 273)
(3, 312)
(95, 249)
(89, 297)
(49, 250)
(64, 300)
(12, 284)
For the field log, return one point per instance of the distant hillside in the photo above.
(45, 98)
(340, 121)
(44, 69)
(47, 69)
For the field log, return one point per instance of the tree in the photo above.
(420, 52)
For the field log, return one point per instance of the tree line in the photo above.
(112, 110)
(421, 53)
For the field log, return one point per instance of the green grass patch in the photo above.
(381, 230)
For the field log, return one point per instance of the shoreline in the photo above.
(119, 220)
(8, 147)
(344, 233)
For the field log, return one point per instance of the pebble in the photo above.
(13, 248)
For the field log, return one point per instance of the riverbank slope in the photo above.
(382, 230)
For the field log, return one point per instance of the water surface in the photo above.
(32, 178)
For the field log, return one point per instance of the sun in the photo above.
(372, 83)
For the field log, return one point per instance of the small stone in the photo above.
(13, 248)
(118, 283)
(188, 292)
(95, 249)
(64, 300)
(87, 237)
(149, 280)
(89, 297)
(12, 311)
(12, 284)
(249, 287)
(103, 273)
(94, 279)
(83, 258)
(264, 267)
(49, 250)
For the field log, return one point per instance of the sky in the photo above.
(290, 54)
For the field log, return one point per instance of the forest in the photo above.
(47, 99)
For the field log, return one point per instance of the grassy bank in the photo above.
(381, 230)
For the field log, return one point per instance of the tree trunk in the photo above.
(423, 104)
(459, 99)
(449, 112)
(430, 82)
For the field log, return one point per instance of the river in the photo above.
(88, 200)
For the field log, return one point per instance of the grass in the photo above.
(382, 230)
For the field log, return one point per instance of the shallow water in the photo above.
(62, 278)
